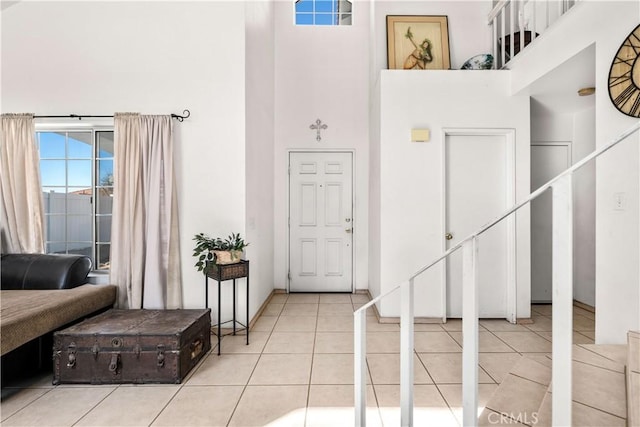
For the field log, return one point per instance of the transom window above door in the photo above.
(322, 12)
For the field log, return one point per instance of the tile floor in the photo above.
(298, 371)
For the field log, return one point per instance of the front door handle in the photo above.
(448, 236)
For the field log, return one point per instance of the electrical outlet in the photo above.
(619, 201)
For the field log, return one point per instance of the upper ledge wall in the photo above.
(466, 82)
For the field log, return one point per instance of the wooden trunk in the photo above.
(132, 346)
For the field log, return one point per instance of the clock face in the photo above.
(624, 76)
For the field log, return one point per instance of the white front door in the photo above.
(547, 161)
(479, 187)
(320, 222)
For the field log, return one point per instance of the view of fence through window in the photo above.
(323, 12)
(76, 168)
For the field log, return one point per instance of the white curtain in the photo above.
(22, 226)
(145, 255)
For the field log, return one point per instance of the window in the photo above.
(76, 168)
(323, 12)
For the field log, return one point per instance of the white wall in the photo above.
(411, 229)
(584, 199)
(578, 129)
(152, 57)
(469, 34)
(259, 125)
(375, 210)
(617, 249)
(550, 126)
(321, 73)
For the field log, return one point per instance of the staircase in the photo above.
(573, 371)
(605, 392)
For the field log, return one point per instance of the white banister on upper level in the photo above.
(516, 23)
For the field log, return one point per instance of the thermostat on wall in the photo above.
(420, 135)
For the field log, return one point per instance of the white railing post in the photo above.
(494, 48)
(470, 332)
(503, 54)
(562, 309)
(546, 15)
(533, 19)
(512, 25)
(406, 354)
(497, 17)
(521, 24)
(360, 367)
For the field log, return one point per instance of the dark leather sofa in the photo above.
(43, 293)
(43, 271)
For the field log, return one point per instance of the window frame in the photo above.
(95, 184)
(337, 14)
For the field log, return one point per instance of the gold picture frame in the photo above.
(418, 42)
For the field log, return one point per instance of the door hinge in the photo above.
(289, 170)
(289, 275)
(289, 221)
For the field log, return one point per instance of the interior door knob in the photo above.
(448, 236)
(348, 230)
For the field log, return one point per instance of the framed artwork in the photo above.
(418, 43)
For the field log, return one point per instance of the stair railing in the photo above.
(562, 313)
(516, 23)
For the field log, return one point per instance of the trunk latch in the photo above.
(160, 358)
(71, 354)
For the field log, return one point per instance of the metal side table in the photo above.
(220, 273)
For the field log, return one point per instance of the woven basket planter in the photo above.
(227, 257)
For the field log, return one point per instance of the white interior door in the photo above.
(320, 222)
(547, 161)
(479, 187)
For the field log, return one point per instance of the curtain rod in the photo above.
(185, 114)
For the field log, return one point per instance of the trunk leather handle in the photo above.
(115, 361)
(196, 348)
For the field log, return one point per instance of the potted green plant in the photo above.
(218, 251)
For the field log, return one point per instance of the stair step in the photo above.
(519, 396)
(617, 353)
(591, 355)
(582, 415)
(599, 391)
(599, 388)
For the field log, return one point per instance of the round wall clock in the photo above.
(624, 76)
